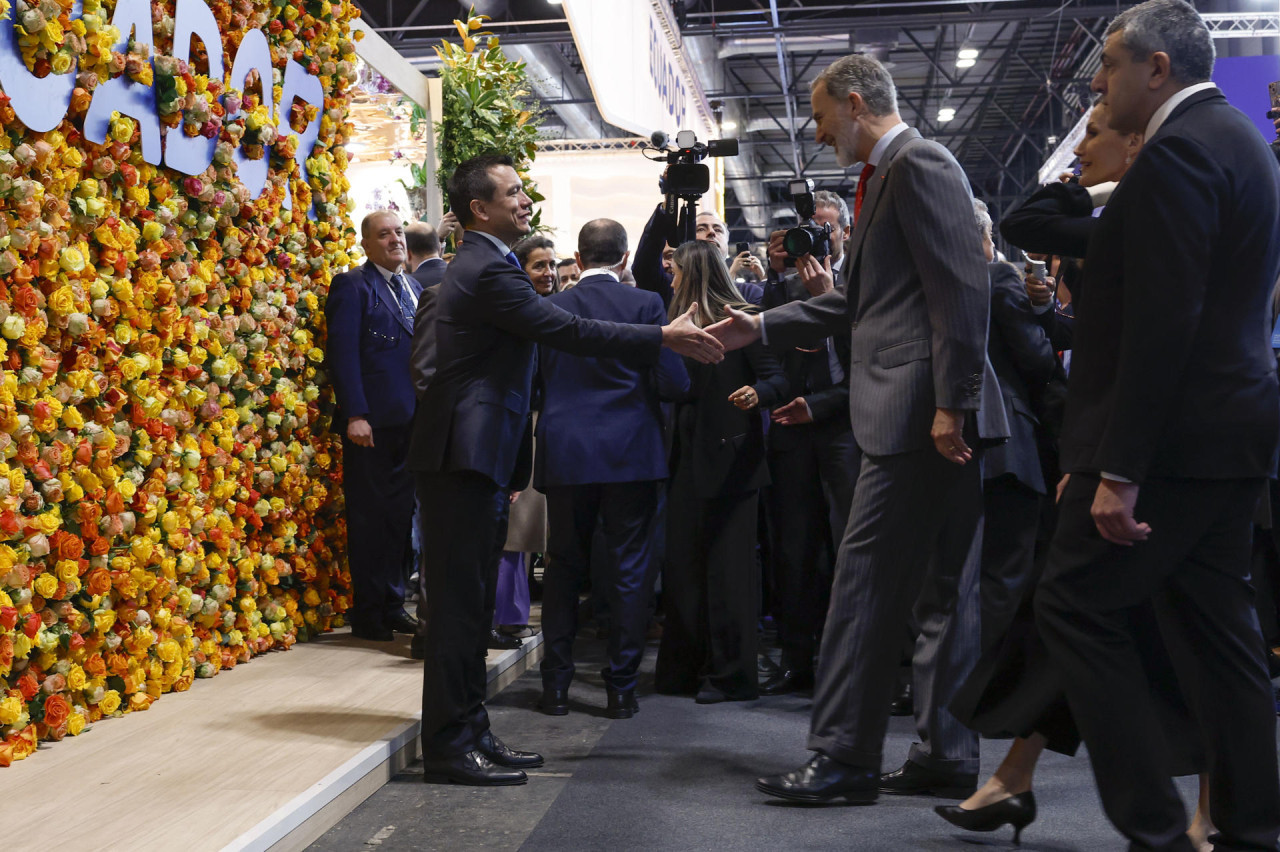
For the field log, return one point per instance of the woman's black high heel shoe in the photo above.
(1018, 811)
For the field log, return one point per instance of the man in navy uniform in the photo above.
(370, 320)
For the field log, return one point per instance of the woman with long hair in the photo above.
(1012, 690)
(711, 583)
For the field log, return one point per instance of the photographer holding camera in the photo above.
(677, 220)
(812, 452)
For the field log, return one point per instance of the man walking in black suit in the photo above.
(914, 296)
(472, 446)
(812, 458)
(601, 462)
(1170, 430)
(370, 319)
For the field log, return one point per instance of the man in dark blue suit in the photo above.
(425, 263)
(471, 447)
(601, 459)
(370, 320)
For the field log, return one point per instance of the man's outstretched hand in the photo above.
(737, 331)
(683, 337)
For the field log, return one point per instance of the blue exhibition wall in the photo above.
(1244, 79)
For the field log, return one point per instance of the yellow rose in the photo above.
(46, 585)
(76, 679)
(126, 488)
(61, 64)
(110, 702)
(75, 724)
(104, 620)
(71, 418)
(10, 709)
(49, 522)
(121, 127)
(67, 570)
(63, 301)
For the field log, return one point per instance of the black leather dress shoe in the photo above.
(498, 642)
(418, 647)
(472, 768)
(498, 752)
(822, 780)
(912, 779)
(766, 666)
(904, 704)
(787, 681)
(555, 702)
(622, 703)
(402, 622)
(372, 634)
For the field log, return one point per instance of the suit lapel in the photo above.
(871, 201)
(389, 300)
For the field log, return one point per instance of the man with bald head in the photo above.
(601, 463)
(370, 319)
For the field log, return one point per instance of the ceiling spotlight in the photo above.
(728, 126)
(966, 63)
(946, 114)
(967, 53)
(554, 2)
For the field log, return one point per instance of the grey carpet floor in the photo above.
(680, 776)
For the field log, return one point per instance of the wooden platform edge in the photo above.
(303, 820)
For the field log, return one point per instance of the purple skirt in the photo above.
(512, 601)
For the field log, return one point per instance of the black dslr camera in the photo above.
(686, 177)
(808, 237)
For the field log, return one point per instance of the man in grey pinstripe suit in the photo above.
(922, 397)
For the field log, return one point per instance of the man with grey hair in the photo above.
(1170, 430)
(914, 299)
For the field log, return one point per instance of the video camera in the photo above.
(808, 237)
(686, 177)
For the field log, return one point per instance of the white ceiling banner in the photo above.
(631, 53)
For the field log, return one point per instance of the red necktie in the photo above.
(861, 192)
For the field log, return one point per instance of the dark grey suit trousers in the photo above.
(913, 540)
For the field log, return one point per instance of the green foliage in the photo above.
(488, 106)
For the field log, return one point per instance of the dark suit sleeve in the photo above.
(1057, 219)
(423, 354)
(509, 302)
(807, 323)
(344, 313)
(935, 210)
(771, 384)
(1029, 347)
(830, 402)
(671, 379)
(646, 265)
(1168, 264)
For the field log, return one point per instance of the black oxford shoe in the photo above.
(402, 622)
(555, 702)
(822, 780)
(472, 769)
(904, 703)
(622, 703)
(912, 779)
(499, 642)
(787, 681)
(370, 633)
(498, 752)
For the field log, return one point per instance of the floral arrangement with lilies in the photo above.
(170, 496)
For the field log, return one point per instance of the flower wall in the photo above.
(170, 497)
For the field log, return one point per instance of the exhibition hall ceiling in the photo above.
(1000, 83)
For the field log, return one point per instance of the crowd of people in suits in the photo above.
(1038, 483)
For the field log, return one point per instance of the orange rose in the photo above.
(99, 546)
(6, 652)
(98, 581)
(56, 710)
(25, 300)
(95, 665)
(27, 686)
(65, 545)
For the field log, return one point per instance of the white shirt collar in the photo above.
(387, 274)
(883, 143)
(598, 270)
(1162, 114)
(502, 247)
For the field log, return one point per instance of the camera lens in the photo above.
(798, 241)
